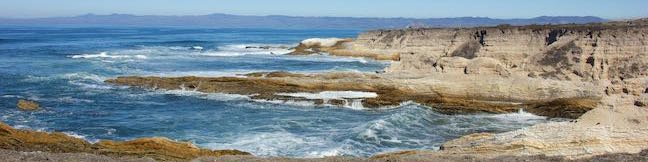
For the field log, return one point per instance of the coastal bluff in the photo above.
(601, 59)
(612, 51)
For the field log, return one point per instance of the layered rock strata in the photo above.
(338, 47)
(157, 148)
(608, 52)
(450, 94)
(616, 126)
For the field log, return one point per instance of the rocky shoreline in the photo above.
(450, 96)
(157, 148)
(595, 74)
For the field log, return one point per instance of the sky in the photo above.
(610, 9)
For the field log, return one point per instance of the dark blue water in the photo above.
(64, 69)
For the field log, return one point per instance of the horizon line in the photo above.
(366, 17)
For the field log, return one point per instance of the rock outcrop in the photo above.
(616, 126)
(27, 105)
(449, 94)
(337, 47)
(157, 148)
(607, 52)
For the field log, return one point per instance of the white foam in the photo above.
(288, 102)
(325, 153)
(178, 48)
(142, 52)
(90, 85)
(106, 55)
(11, 96)
(249, 49)
(520, 116)
(141, 56)
(220, 73)
(84, 76)
(74, 100)
(279, 144)
(75, 135)
(209, 96)
(197, 48)
(68, 76)
(21, 127)
(363, 60)
(355, 104)
(332, 95)
(323, 42)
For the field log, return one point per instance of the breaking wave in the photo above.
(202, 95)
(250, 49)
(146, 52)
(106, 55)
(280, 144)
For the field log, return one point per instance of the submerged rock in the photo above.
(27, 105)
(157, 148)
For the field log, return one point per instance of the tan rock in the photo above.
(616, 126)
(486, 65)
(27, 105)
(452, 64)
(340, 47)
(157, 148)
(591, 52)
(642, 101)
(160, 148)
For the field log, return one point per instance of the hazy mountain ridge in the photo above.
(293, 22)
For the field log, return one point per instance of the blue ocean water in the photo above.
(64, 68)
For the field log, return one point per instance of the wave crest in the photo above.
(250, 49)
(106, 55)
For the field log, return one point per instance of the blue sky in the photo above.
(611, 9)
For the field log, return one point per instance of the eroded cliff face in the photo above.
(609, 52)
(612, 56)
(593, 52)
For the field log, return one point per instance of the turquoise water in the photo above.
(64, 68)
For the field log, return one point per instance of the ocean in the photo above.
(64, 68)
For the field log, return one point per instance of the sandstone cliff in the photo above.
(613, 56)
(590, 52)
(593, 52)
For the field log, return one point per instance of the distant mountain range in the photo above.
(287, 22)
